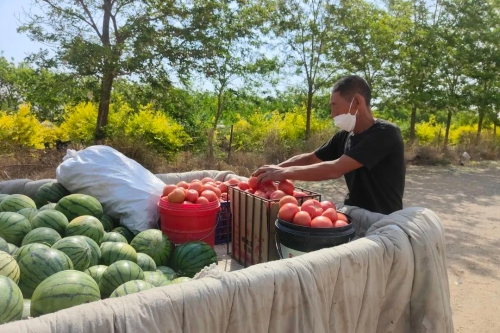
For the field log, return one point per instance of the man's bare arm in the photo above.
(301, 160)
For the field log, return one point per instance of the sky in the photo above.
(13, 44)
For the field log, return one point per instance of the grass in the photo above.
(20, 162)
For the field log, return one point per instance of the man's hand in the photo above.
(269, 172)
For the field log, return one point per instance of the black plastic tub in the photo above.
(293, 240)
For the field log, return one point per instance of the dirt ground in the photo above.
(467, 199)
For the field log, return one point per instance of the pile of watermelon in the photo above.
(60, 250)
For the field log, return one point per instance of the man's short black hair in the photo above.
(352, 84)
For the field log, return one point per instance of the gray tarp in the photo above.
(392, 280)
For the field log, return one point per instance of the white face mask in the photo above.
(346, 121)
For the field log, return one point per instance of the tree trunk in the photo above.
(480, 125)
(413, 121)
(214, 127)
(310, 94)
(105, 99)
(447, 132)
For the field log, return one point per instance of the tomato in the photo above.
(260, 193)
(327, 204)
(288, 199)
(183, 184)
(192, 195)
(243, 186)
(321, 222)
(313, 207)
(340, 223)
(342, 217)
(210, 195)
(188, 203)
(277, 195)
(201, 200)
(168, 189)
(208, 187)
(302, 218)
(233, 181)
(195, 181)
(288, 211)
(207, 180)
(298, 194)
(223, 197)
(253, 183)
(331, 214)
(177, 196)
(197, 186)
(286, 186)
(223, 187)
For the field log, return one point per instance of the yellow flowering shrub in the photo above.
(22, 127)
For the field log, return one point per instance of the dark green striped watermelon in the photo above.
(41, 235)
(131, 287)
(114, 251)
(96, 250)
(145, 262)
(24, 250)
(51, 219)
(48, 206)
(11, 301)
(75, 205)
(180, 280)
(117, 274)
(38, 265)
(86, 226)
(63, 290)
(114, 237)
(77, 249)
(155, 244)
(29, 213)
(191, 257)
(125, 232)
(4, 246)
(3, 196)
(155, 278)
(13, 227)
(96, 272)
(167, 271)
(107, 223)
(12, 249)
(9, 267)
(16, 202)
(50, 193)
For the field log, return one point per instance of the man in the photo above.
(368, 152)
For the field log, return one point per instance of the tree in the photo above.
(112, 38)
(306, 32)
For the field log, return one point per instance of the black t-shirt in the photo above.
(378, 185)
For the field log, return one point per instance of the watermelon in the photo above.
(50, 206)
(12, 249)
(96, 250)
(96, 272)
(26, 309)
(107, 223)
(4, 246)
(114, 237)
(131, 287)
(16, 202)
(113, 251)
(117, 274)
(50, 193)
(41, 235)
(155, 244)
(24, 250)
(11, 301)
(125, 232)
(77, 249)
(63, 290)
(75, 205)
(167, 271)
(3, 196)
(9, 267)
(155, 278)
(29, 213)
(38, 265)
(86, 225)
(50, 218)
(180, 280)
(191, 257)
(145, 262)
(13, 227)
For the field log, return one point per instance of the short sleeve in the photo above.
(329, 151)
(375, 146)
